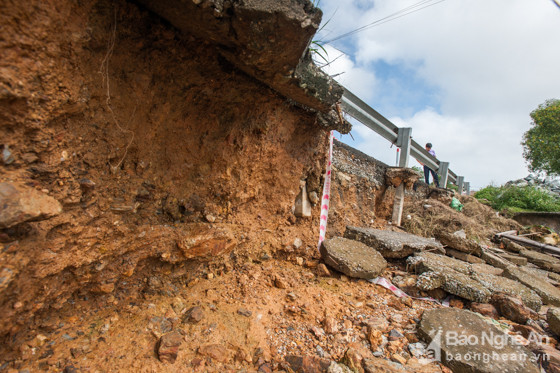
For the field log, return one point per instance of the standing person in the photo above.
(428, 170)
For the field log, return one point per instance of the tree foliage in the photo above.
(541, 144)
(519, 198)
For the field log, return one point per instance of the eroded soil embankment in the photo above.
(149, 140)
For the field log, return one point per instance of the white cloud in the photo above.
(359, 79)
(491, 62)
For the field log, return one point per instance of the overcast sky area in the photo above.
(464, 74)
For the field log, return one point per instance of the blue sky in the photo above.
(463, 74)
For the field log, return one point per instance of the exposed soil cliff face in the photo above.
(160, 152)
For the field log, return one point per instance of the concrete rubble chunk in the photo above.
(544, 261)
(495, 260)
(549, 293)
(451, 280)
(515, 259)
(462, 279)
(512, 246)
(451, 275)
(352, 258)
(481, 355)
(463, 256)
(553, 320)
(459, 243)
(498, 284)
(19, 204)
(485, 268)
(392, 244)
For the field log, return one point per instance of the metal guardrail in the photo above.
(362, 112)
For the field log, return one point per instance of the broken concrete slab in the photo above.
(20, 203)
(267, 39)
(515, 259)
(445, 328)
(352, 258)
(495, 260)
(453, 279)
(549, 293)
(542, 260)
(458, 242)
(553, 320)
(463, 256)
(512, 246)
(550, 277)
(498, 284)
(485, 268)
(461, 279)
(392, 244)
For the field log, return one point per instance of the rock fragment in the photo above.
(307, 364)
(214, 351)
(168, 346)
(512, 308)
(20, 204)
(193, 315)
(485, 309)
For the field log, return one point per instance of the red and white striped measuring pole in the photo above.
(326, 195)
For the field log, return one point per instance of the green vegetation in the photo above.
(541, 143)
(452, 186)
(518, 198)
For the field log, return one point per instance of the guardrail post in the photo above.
(468, 188)
(443, 174)
(460, 181)
(403, 142)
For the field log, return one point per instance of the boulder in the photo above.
(392, 244)
(549, 293)
(352, 258)
(464, 342)
(512, 308)
(19, 204)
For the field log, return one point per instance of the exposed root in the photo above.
(104, 71)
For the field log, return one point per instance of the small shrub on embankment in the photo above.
(518, 198)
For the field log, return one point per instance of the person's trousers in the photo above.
(427, 171)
